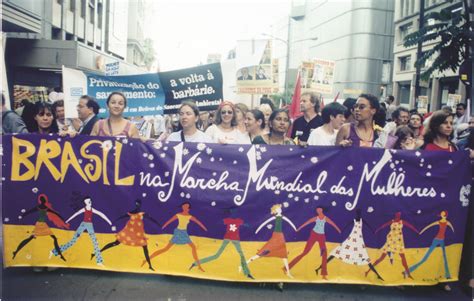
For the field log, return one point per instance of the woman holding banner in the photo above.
(188, 118)
(115, 125)
(255, 123)
(240, 112)
(225, 130)
(45, 118)
(439, 133)
(279, 123)
(363, 134)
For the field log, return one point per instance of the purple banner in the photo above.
(373, 184)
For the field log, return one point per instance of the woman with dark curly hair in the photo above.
(439, 133)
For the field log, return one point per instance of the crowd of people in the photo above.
(361, 122)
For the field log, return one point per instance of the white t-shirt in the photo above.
(233, 137)
(320, 137)
(196, 137)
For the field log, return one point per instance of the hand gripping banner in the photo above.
(235, 212)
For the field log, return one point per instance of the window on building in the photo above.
(59, 1)
(430, 22)
(91, 11)
(405, 63)
(100, 13)
(406, 7)
(72, 5)
(404, 92)
(412, 6)
(83, 8)
(405, 30)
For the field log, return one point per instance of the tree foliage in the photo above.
(452, 31)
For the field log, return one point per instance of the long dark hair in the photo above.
(403, 132)
(42, 107)
(436, 120)
(258, 115)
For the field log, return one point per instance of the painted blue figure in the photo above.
(443, 223)
(86, 225)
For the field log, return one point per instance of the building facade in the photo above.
(41, 36)
(357, 35)
(136, 39)
(439, 85)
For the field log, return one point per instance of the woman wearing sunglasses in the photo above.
(45, 119)
(225, 130)
(361, 134)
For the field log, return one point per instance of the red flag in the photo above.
(337, 96)
(321, 107)
(295, 101)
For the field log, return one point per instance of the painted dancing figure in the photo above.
(133, 234)
(180, 234)
(86, 225)
(45, 213)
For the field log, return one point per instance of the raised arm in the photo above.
(29, 211)
(75, 214)
(175, 217)
(199, 223)
(264, 223)
(311, 220)
(427, 227)
(450, 226)
(121, 217)
(152, 219)
(342, 137)
(329, 221)
(289, 222)
(56, 213)
(410, 226)
(102, 215)
(383, 226)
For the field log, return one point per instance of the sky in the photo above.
(186, 31)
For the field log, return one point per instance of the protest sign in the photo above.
(382, 217)
(147, 94)
(317, 76)
(144, 93)
(203, 84)
(261, 78)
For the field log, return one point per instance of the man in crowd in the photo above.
(390, 107)
(87, 111)
(309, 106)
(64, 124)
(458, 118)
(400, 116)
(11, 121)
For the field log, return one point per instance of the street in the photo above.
(76, 284)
